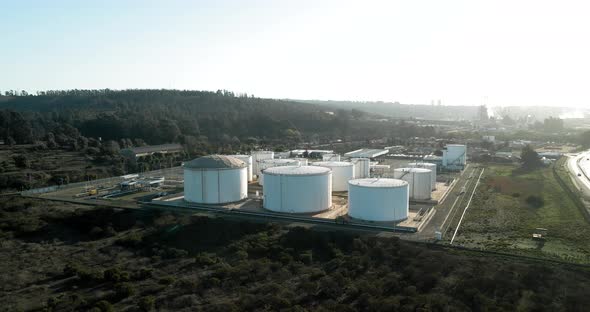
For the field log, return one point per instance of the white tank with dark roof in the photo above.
(215, 179)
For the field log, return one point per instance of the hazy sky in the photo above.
(514, 52)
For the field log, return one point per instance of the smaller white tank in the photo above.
(378, 199)
(362, 168)
(257, 157)
(342, 172)
(248, 160)
(419, 181)
(330, 157)
(298, 189)
(303, 161)
(425, 165)
(270, 163)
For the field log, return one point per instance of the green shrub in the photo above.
(147, 303)
(535, 201)
(168, 280)
(104, 306)
(124, 290)
(116, 275)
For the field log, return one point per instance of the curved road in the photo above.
(579, 166)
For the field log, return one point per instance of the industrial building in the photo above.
(342, 172)
(378, 199)
(297, 189)
(454, 157)
(366, 153)
(419, 181)
(429, 166)
(331, 157)
(215, 179)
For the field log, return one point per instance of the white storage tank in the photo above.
(269, 163)
(429, 166)
(375, 199)
(342, 172)
(419, 181)
(248, 160)
(330, 157)
(362, 168)
(297, 189)
(257, 157)
(215, 179)
(302, 161)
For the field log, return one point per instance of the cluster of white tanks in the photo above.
(290, 186)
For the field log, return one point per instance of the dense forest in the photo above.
(398, 110)
(58, 257)
(163, 116)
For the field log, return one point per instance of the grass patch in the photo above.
(501, 220)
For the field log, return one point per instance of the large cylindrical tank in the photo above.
(429, 166)
(419, 181)
(248, 160)
(331, 157)
(269, 163)
(362, 168)
(257, 157)
(297, 189)
(342, 172)
(375, 199)
(215, 179)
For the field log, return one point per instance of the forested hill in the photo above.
(431, 112)
(161, 116)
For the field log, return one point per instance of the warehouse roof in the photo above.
(215, 162)
(366, 153)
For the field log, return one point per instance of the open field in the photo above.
(510, 205)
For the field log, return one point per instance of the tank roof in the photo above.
(412, 170)
(378, 182)
(421, 163)
(215, 162)
(279, 161)
(297, 170)
(333, 163)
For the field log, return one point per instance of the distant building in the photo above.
(454, 157)
(489, 138)
(142, 151)
(366, 153)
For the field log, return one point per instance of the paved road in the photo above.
(446, 211)
(579, 166)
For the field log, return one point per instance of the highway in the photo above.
(579, 166)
